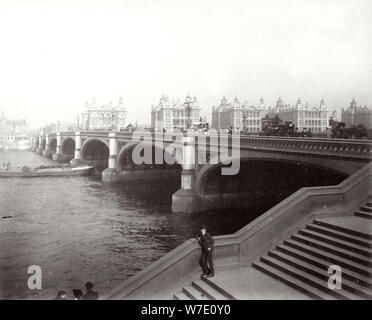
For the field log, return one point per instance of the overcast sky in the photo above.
(56, 55)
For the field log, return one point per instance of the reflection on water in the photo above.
(78, 229)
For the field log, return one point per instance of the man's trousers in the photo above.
(206, 262)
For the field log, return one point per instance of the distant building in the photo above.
(303, 116)
(17, 130)
(355, 115)
(239, 116)
(12, 131)
(175, 115)
(106, 117)
(3, 131)
(334, 115)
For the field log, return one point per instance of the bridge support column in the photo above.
(33, 144)
(111, 174)
(47, 153)
(39, 149)
(186, 199)
(58, 155)
(77, 159)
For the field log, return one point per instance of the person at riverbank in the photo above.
(90, 294)
(61, 295)
(78, 294)
(206, 243)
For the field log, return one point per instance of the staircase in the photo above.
(365, 211)
(203, 289)
(302, 261)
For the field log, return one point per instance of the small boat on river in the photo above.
(47, 172)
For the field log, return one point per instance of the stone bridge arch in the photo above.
(125, 161)
(205, 172)
(95, 151)
(262, 182)
(68, 148)
(128, 172)
(53, 145)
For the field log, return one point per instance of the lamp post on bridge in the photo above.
(188, 109)
(244, 116)
(114, 122)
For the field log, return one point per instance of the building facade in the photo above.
(12, 131)
(303, 116)
(17, 130)
(239, 116)
(106, 117)
(175, 115)
(3, 131)
(355, 115)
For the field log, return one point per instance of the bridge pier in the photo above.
(39, 149)
(33, 144)
(111, 174)
(77, 159)
(58, 155)
(139, 176)
(47, 153)
(186, 199)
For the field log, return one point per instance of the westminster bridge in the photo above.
(198, 161)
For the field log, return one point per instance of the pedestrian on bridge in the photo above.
(206, 243)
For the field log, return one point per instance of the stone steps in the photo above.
(194, 294)
(363, 214)
(303, 260)
(180, 296)
(312, 259)
(208, 291)
(366, 208)
(333, 249)
(340, 235)
(359, 233)
(335, 259)
(308, 278)
(203, 289)
(336, 242)
(221, 290)
(299, 285)
(322, 274)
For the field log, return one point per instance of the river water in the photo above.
(78, 229)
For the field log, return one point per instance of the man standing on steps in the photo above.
(206, 243)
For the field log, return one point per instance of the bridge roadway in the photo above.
(112, 152)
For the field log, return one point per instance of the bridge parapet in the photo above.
(338, 147)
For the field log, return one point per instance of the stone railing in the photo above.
(242, 247)
(342, 147)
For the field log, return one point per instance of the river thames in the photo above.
(78, 229)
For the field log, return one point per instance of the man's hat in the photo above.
(203, 227)
(61, 293)
(89, 285)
